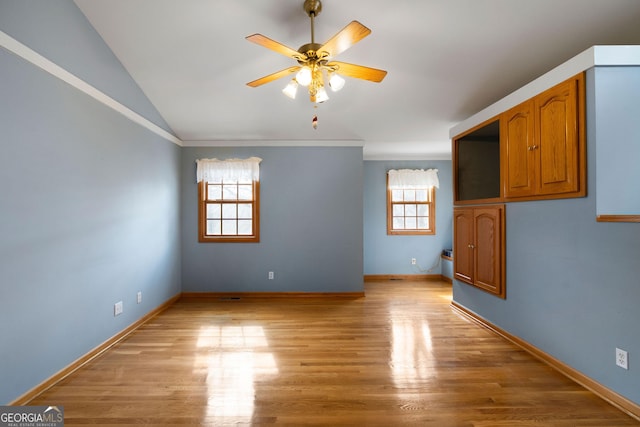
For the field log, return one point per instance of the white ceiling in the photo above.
(446, 60)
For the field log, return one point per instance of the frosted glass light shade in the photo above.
(336, 82)
(321, 96)
(303, 77)
(291, 89)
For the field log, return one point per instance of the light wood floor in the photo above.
(398, 356)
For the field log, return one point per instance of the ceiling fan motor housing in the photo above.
(309, 50)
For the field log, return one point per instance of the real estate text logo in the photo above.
(31, 416)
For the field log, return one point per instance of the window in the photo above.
(411, 201)
(228, 200)
(411, 211)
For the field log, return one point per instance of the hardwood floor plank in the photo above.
(398, 356)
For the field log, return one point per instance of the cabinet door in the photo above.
(489, 249)
(462, 244)
(519, 164)
(556, 116)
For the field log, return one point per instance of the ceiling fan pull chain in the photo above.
(314, 122)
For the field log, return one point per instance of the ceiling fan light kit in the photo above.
(315, 61)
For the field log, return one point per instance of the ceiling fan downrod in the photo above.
(313, 9)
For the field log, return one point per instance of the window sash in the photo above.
(410, 216)
(410, 211)
(229, 211)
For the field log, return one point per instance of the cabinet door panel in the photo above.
(556, 113)
(519, 157)
(478, 247)
(462, 241)
(488, 249)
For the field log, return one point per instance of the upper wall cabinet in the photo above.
(535, 150)
(543, 144)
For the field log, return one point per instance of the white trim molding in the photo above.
(28, 54)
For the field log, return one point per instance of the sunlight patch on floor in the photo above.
(233, 358)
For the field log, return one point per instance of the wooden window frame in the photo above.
(413, 232)
(203, 237)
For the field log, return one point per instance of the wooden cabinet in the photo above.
(479, 247)
(543, 144)
(463, 238)
(518, 162)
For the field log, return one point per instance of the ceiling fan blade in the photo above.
(274, 76)
(274, 45)
(358, 71)
(344, 39)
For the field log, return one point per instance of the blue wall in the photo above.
(391, 254)
(572, 283)
(310, 224)
(89, 214)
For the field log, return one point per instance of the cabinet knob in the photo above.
(471, 246)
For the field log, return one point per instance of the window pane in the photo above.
(213, 227)
(423, 210)
(245, 192)
(423, 222)
(244, 227)
(422, 196)
(214, 191)
(410, 223)
(229, 210)
(229, 227)
(409, 195)
(213, 210)
(398, 223)
(398, 210)
(410, 210)
(245, 210)
(396, 195)
(230, 192)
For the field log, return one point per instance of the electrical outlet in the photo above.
(271, 275)
(139, 297)
(413, 261)
(622, 358)
(118, 308)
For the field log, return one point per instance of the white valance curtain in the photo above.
(230, 170)
(413, 178)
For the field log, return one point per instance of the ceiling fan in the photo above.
(316, 60)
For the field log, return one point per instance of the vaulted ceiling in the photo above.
(446, 60)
